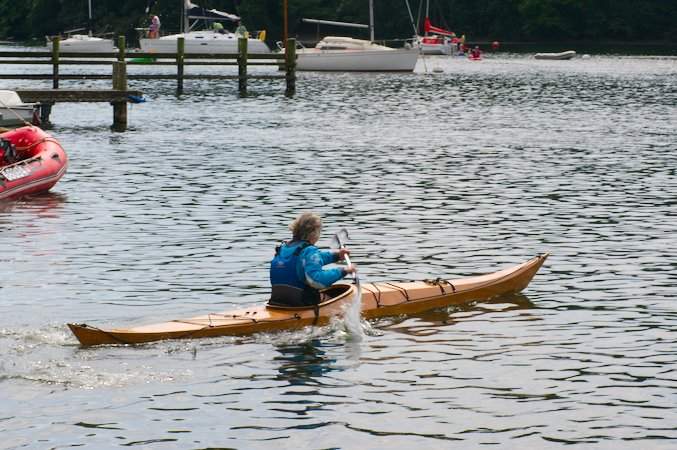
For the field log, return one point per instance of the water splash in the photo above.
(353, 323)
(352, 315)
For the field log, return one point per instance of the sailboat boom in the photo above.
(332, 22)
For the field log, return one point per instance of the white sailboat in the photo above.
(435, 41)
(344, 54)
(85, 43)
(216, 40)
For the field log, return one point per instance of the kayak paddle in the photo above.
(340, 238)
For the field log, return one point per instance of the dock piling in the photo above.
(120, 84)
(45, 111)
(242, 66)
(290, 66)
(55, 61)
(121, 48)
(180, 60)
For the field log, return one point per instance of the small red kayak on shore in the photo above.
(31, 161)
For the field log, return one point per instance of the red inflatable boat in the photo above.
(31, 161)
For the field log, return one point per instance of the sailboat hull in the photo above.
(202, 42)
(435, 49)
(395, 60)
(85, 44)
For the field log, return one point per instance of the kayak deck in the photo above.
(378, 300)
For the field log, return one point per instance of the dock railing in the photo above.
(56, 58)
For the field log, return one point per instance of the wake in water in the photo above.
(352, 322)
(50, 356)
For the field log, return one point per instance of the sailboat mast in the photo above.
(371, 20)
(89, 22)
(185, 26)
(411, 17)
(285, 31)
(427, 13)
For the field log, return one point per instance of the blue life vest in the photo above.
(288, 288)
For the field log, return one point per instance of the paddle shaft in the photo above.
(346, 257)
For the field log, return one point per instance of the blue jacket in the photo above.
(297, 273)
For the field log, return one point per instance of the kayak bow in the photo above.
(378, 300)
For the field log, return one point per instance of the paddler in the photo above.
(297, 271)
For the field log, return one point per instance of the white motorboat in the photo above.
(344, 54)
(14, 112)
(210, 41)
(85, 43)
(561, 55)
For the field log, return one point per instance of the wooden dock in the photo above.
(119, 95)
(48, 97)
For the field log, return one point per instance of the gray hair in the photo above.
(306, 227)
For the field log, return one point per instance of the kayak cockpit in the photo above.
(331, 295)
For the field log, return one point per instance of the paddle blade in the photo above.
(341, 237)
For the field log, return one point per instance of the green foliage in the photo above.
(491, 19)
(13, 19)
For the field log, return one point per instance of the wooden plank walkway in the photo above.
(76, 95)
(48, 97)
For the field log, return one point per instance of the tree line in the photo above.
(507, 20)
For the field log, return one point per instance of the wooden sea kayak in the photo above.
(378, 300)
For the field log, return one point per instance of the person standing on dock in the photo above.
(154, 28)
(297, 271)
